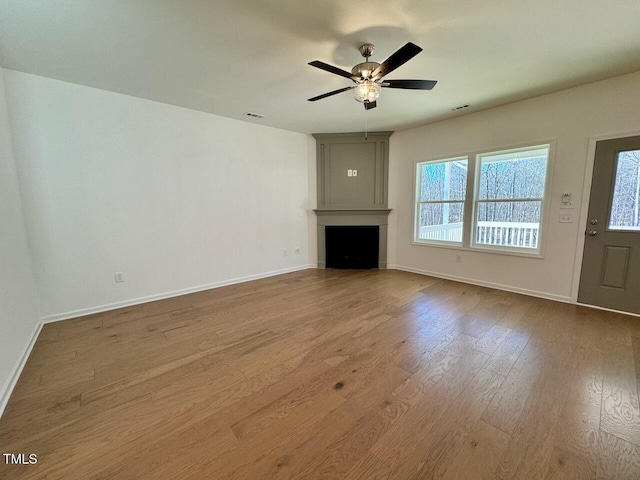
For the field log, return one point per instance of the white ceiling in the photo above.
(232, 56)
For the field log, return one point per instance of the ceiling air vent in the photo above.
(254, 115)
(461, 107)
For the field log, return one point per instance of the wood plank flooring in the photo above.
(327, 374)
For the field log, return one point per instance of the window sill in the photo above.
(496, 251)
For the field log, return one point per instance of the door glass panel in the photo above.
(625, 207)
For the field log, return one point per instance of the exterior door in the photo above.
(611, 261)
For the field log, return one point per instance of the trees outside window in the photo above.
(625, 205)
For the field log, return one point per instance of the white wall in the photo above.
(571, 117)
(19, 317)
(176, 199)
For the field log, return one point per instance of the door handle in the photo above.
(592, 233)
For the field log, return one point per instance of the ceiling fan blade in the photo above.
(410, 84)
(369, 105)
(325, 95)
(400, 57)
(331, 69)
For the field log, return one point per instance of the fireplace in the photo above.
(352, 210)
(352, 246)
(372, 220)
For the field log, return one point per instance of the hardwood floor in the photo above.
(327, 374)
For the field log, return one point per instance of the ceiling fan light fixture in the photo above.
(367, 91)
(368, 76)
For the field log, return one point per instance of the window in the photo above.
(441, 192)
(503, 210)
(509, 198)
(625, 206)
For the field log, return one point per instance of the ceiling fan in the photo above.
(367, 75)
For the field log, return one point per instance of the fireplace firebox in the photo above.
(352, 246)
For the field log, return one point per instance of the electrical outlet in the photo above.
(118, 277)
(567, 205)
(458, 258)
(349, 173)
(566, 218)
(284, 252)
(297, 250)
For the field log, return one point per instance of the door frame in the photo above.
(584, 211)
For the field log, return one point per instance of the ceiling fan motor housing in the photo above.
(364, 70)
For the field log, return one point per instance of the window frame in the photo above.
(469, 220)
(417, 202)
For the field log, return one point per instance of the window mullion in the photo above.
(468, 220)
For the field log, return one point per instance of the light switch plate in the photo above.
(355, 173)
(349, 173)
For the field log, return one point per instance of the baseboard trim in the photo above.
(10, 384)
(162, 296)
(481, 283)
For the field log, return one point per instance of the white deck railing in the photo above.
(509, 234)
(451, 232)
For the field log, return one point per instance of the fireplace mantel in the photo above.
(358, 212)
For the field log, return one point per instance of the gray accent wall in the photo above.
(359, 199)
(339, 153)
